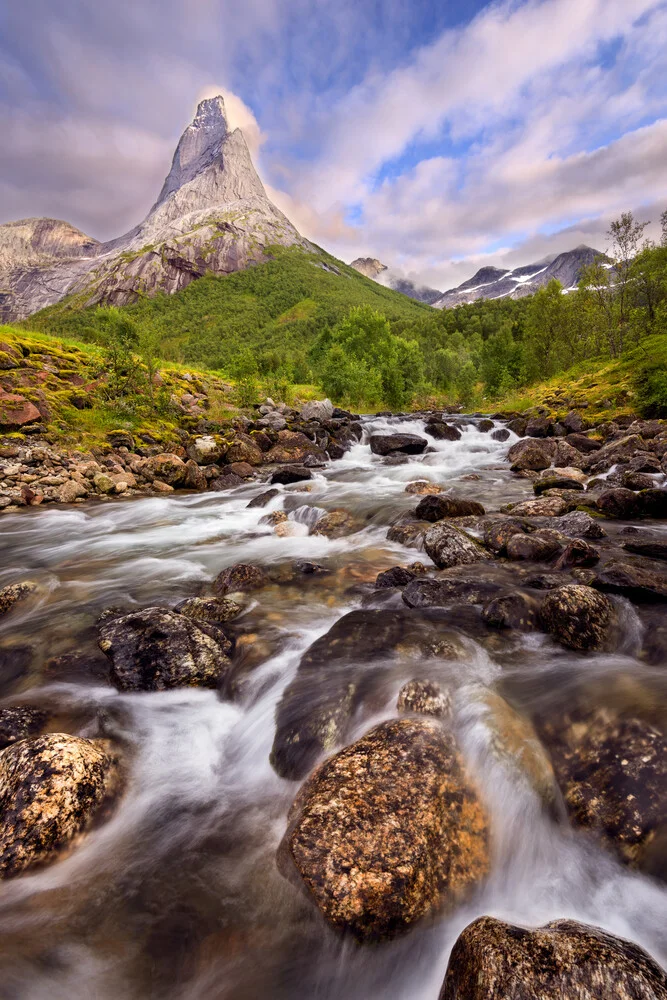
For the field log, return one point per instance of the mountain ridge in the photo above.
(212, 215)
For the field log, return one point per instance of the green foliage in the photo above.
(649, 364)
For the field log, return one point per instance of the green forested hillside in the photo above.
(273, 310)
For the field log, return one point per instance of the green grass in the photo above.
(277, 307)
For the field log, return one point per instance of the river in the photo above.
(178, 895)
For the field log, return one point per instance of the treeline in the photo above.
(304, 319)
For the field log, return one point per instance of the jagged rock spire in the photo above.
(198, 147)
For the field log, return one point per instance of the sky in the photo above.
(437, 135)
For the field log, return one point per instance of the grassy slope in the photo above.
(604, 387)
(277, 306)
(45, 375)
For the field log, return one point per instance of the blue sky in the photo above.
(438, 137)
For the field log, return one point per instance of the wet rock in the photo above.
(51, 788)
(578, 553)
(612, 771)
(653, 503)
(317, 409)
(616, 452)
(619, 503)
(263, 498)
(387, 831)
(292, 448)
(541, 507)
(502, 434)
(442, 431)
(435, 508)
(424, 488)
(554, 479)
(166, 468)
(20, 722)
(241, 577)
(336, 524)
(244, 449)
(241, 469)
(515, 610)
(637, 481)
(156, 649)
(654, 548)
(13, 594)
(579, 524)
(497, 533)
(410, 534)
(449, 546)
(226, 481)
(567, 457)
(445, 591)
(563, 960)
(424, 697)
(538, 547)
(291, 474)
(485, 425)
(408, 444)
(531, 454)
(397, 576)
(211, 609)
(518, 426)
(636, 580)
(80, 666)
(578, 617)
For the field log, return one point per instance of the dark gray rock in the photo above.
(408, 444)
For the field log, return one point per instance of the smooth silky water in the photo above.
(178, 895)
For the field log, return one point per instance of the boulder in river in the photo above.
(436, 508)
(563, 960)
(441, 431)
(407, 444)
(422, 487)
(14, 593)
(336, 524)
(293, 448)
(241, 577)
(512, 610)
(531, 454)
(387, 831)
(620, 503)
(638, 580)
(156, 649)
(542, 545)
(546, 506)
(209, 609)
(51, 787)
(579, 524)
(450, 546)
(497, 532)
(612, 771)
(291, 474)
(578, 617)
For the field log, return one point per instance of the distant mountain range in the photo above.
(491, 282)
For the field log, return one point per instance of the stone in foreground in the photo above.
(563, 960)
(578, 617)
(156, 649)
(387, 831)
(50, 789)
(448, 546)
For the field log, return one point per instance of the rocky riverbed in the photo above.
(337, 706)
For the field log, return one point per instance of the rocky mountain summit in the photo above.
(372, 268)
(211, 216)
(499, 283)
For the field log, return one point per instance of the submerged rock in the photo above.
(336, 524)
(563, 960)
(387, 831)
(156, 649)
(422, 487)
(14, 594)
(424, 698)
(239, 578)
(578, 617)
(20, 722)
(612, 771)
(211, 609)
(638, 581)
(50, 790)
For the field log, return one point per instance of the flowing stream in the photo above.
(178, 895)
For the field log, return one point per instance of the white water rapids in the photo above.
(177, 896)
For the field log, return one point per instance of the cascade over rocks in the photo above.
(387, 831)
(156, 649)
(493, 960)
(51, 788)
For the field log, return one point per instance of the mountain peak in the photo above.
(198, 147)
